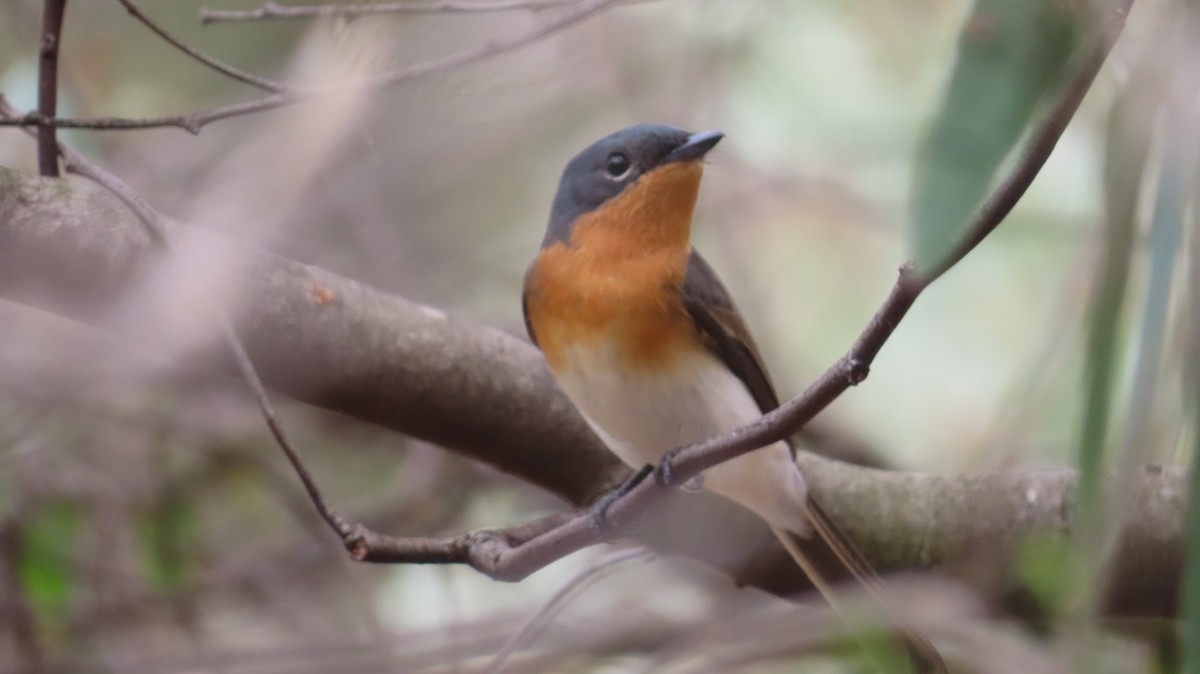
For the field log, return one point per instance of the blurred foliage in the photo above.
(1012, 54)
(52, 540)
(1050, 568)
(1128, 143)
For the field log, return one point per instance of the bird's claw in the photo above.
(600, 523)
(663, 473)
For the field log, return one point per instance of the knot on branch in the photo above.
(356, 543)
(855, 370)
(485, 550)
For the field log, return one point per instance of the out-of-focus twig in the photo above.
(52, 19)
(536, 621)
(193, 122)
(223, 68)
(275, 10)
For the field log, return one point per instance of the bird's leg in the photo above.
(600, 511)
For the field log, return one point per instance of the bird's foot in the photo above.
(600, 523)
(663, 474)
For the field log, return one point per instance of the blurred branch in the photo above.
(339, 344)
(274, 10)
(195, 121)
(223, 68)
(52, 19)
(536, 622)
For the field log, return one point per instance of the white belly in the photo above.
(642, 415)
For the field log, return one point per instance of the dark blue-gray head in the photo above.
(613, 163)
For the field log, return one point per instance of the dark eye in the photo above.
(616, 165)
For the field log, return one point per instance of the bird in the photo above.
(647, 342)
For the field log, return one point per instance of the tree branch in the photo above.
(52, 19)
(339, 344)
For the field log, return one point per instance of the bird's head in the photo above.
(643, 180)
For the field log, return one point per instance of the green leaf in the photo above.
(51, 539)
(1011, 54)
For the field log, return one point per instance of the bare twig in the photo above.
(52, 19)
(223, 68)
(195, 121)
(331, 516)
(274, 10)
(485, 551)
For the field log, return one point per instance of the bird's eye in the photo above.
(616, 165)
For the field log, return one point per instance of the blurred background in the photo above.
(161, 530)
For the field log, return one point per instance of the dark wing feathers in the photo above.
(725, 333)
(525, 314)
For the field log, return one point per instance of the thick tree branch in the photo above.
(342, 345)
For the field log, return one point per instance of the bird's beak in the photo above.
(696, 146)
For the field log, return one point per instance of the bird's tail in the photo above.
(838, 547)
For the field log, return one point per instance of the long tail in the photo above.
(925, 656)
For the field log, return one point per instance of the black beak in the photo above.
(696, 146)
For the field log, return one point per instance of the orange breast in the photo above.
(576, 301)
(617, 284)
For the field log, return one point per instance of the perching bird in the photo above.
(644, 338)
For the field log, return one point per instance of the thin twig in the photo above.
(259, 391)
(52, 19)
(195, 121)
(223, 68)
(274, 10)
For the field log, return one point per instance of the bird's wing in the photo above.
(725, 333)
(525, 309)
